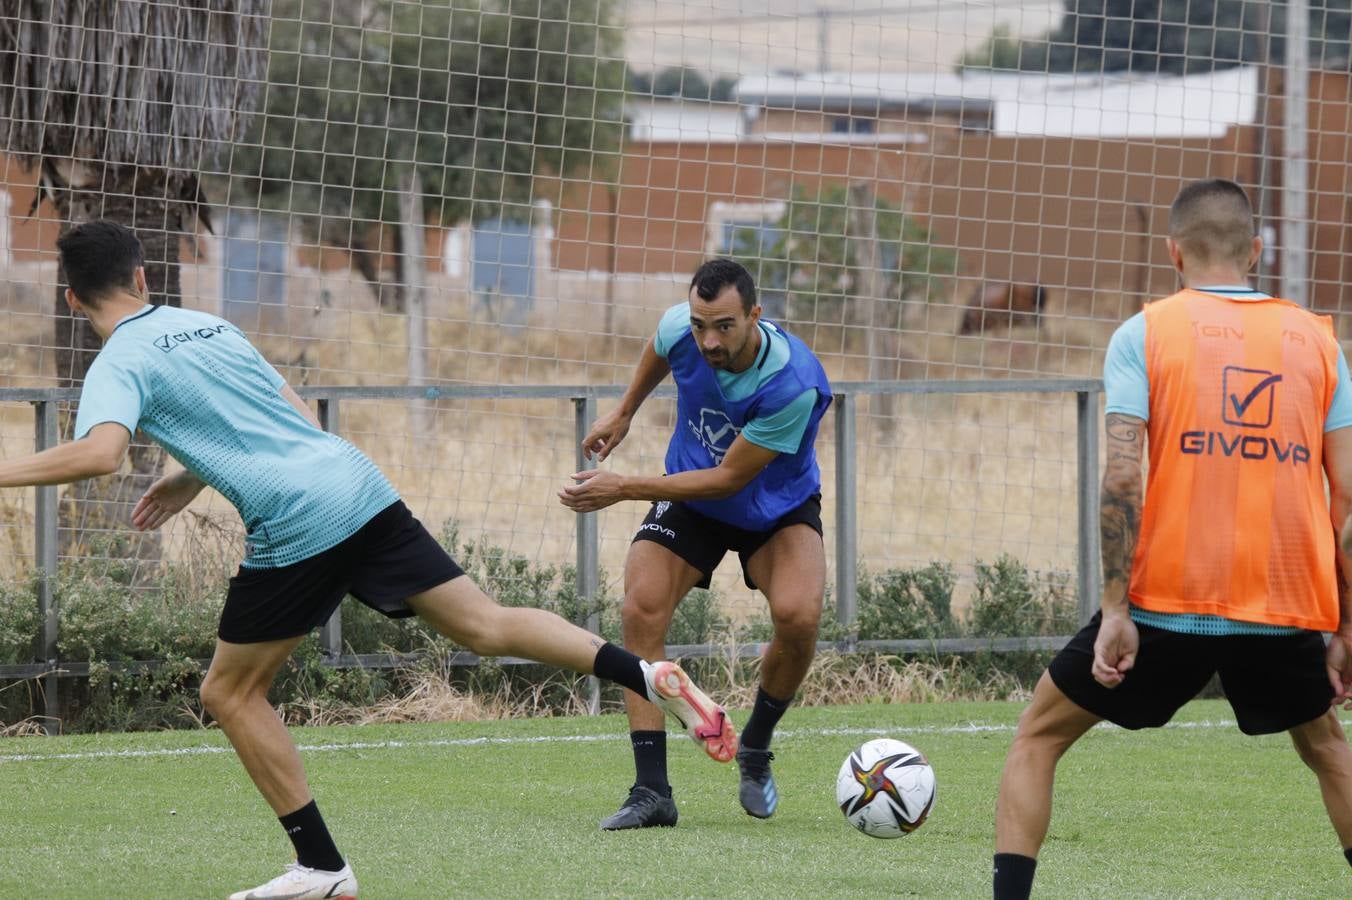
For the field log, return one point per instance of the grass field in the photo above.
(509, 809)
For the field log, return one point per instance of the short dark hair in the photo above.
(1212, 219)
(712, 278)
(98, 258)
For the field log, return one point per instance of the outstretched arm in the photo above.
(1119, 528)
(98, 453)
(607, 432)
(1338, 468)
(597, 489)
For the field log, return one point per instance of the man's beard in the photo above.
(728, 359)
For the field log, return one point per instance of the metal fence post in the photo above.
(588, 540)
(1086, 427)
(847, 514)
(331, 633)
(45, 561)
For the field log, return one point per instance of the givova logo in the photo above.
(1248, 400)
(715, 432)
(167, 342)
(1248, 396)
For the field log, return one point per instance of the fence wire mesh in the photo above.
(491, 192)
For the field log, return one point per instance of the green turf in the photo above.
(1187, 811)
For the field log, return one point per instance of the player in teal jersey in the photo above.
(741, 475)
(321, 521)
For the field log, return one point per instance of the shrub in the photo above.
(897, 604)
(1012, 600)
(113, 613)
(19, 622)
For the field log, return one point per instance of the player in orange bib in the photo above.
(1231, 565)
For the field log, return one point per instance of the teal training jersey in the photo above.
(198, 388)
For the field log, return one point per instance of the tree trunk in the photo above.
(413, 299)
(95, 515)
(880, 314)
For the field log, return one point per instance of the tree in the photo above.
(724, 88)
(121, 106)
(814, 255)
(1168, 36)
(473, 102)
(1005, 53)
(680, 82)
(844, 255)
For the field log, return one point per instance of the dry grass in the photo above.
(429, 694)
(957, 478)
(871, 678)
(30, 727)
(836, 679)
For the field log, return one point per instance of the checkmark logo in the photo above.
(1248, 396)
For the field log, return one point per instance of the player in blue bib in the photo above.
(741, 475)
(321, 522)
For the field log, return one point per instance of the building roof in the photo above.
(674, 119)
(1116, 105)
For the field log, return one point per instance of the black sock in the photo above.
(1347, 854)
(1013, 876)
(650, 760)
(764, 717)
(314, 847)
(622, 667)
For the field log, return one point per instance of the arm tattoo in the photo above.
(1120, 503)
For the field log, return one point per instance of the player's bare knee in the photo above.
(221, 698)
(1323, 747)
(644, 618)
(1038, 734)
(800, 633)
(798, 623)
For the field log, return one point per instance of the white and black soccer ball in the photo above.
(885, 788)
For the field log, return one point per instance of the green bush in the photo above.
(19, 622)
(1012, 600)
(699, 619)
(1009, 600)
(907, 603)
(113, 613)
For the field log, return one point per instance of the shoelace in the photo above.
(756, 765)
(640, 796)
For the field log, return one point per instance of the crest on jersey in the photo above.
(715, 432)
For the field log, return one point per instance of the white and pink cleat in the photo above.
(704, 720)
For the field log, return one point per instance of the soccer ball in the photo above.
(885, 788)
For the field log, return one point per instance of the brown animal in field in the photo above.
(1002, 305)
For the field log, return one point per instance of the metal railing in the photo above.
(329, 400)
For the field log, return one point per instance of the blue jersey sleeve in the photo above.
(783, 431)
(1126, 383)
(115, 390)
(675, 323)
(1340, 411)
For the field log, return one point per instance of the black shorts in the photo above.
(702, 541)
(389, 559)
(1273, 682)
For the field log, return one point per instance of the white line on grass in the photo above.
(900, 731)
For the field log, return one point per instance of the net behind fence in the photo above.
(513, 192)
